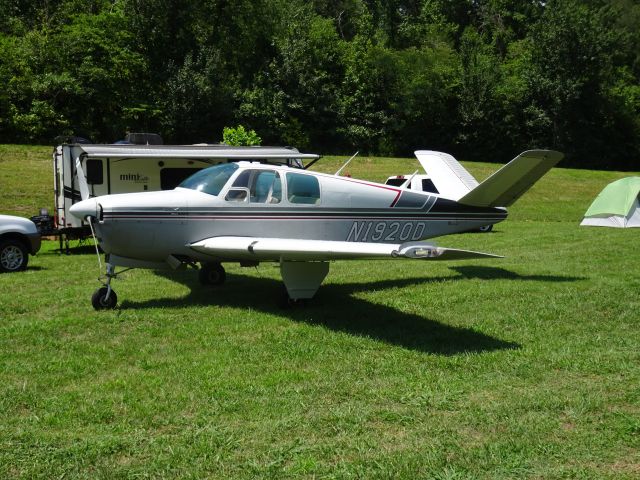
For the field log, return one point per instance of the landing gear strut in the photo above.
(105, 298)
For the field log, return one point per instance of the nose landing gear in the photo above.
(105, 297)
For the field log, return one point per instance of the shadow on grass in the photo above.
(30, 268)
(73, 251)
(493, 273)
(35, 268)
(335, 308)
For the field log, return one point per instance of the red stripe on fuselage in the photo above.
(376, 185)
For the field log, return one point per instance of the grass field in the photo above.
(522, 367)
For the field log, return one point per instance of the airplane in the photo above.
(251, 212)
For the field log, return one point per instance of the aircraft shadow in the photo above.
(493, 273)
(335, 308)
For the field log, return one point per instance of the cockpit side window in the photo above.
(210, 180)
(242, 180)
(256, 186)
(265, 187)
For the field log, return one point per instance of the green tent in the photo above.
(616, 206)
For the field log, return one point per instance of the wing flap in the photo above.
(277, 249)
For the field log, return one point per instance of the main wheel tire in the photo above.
(212, 274)
(13, 256)
(285, 301)
(486, 228)
(100, 302)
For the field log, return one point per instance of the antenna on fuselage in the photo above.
(408, 182)
(347, 163)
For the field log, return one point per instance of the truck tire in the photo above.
(13, 256)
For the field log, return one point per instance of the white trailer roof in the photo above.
(192, 151)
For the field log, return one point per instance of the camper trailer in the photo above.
(127, 168)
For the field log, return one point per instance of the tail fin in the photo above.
(450, 178)
(508, 184)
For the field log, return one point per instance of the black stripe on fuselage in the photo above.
(441, 208)
(288, 214)
(444, 205)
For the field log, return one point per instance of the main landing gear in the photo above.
(286, 301)
(212, 273)
(301, 281)
(105, 297)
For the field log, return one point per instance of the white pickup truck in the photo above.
(19, 237)
(421, 183)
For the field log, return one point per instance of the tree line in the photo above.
(481, 79)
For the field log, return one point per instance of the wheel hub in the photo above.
(11, 258)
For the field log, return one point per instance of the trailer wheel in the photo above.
(212, 274)
(100, 302)
(13, 256)
(486, 228)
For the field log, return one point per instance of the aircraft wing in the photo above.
(278, 249)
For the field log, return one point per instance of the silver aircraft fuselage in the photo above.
(290, 203)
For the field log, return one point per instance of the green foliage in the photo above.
(240, 137)
(481, 79)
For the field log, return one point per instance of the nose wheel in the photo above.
(105, 297)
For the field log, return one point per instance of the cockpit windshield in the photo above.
(210, 180)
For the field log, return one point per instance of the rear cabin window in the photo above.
(303, 189)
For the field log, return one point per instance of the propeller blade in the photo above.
(82, 180)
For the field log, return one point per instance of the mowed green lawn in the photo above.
(522, 367)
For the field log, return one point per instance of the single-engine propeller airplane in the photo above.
(255, 211)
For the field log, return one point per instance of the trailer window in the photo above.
(210, 180)
(94, 172)
(170, 178)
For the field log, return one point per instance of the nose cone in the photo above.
(85, 208)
